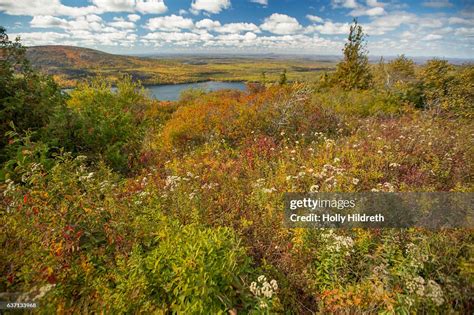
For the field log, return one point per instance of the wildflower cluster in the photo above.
(337, 243)
(425, 290)
(264, 291)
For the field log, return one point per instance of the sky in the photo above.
(442, 28)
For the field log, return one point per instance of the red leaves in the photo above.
(11, 278)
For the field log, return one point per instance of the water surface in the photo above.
(170, 92)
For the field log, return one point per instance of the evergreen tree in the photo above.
(353, 71)
(283, 78)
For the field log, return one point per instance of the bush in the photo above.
(183, 269)
(110, 124)
(233, 117)
(28, 99)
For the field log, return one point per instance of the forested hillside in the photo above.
(116, 203)
(72, 65)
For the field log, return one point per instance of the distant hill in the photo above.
(74, 57)
(70, 65)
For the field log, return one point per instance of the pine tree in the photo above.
(353, 71)
(283, 78)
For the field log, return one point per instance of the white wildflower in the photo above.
(314, 188)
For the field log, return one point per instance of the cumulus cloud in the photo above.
(216, 26)
(90, 22)
(437, 4)
(314, 18)
(430, 37)
(237, 28)
(330, 28)
(41, 38)
(89, 30)
(368, 11)
(458, 20)
(374, 3)
(143, 6)
(151, 6)
(211, 6)
(43, 7)
(281, 24)
(169, 23)
(208, 24)
(120, 22)
(56, 8)
(349, 4)
(48, 21)
(390, 22)
(115, 5)
(134, 17)
(465, 31)
(173, 37)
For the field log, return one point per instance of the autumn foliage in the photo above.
(116, 203)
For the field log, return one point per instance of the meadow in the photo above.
(113, 202)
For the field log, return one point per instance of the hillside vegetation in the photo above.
(116, 203)
(71, 65)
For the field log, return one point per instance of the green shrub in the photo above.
(28, 99)
(110, 124)
(184, 269)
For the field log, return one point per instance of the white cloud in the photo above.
(314, 18)
(437, 4)
(41, 38)
(151, 6)
(169, 23)
(238, 28)
(458, 20)
(115, 5)
(350, 4)
(465, 31)
(262, 2)
(330, 28)
(47, 21)
(429, 22)
(281, 24)
(208, 24)
(368, 11)
(134, 17)
(430, 37)
(389, 22)
(374, 3)
(120, 22)
(211, 6)
(90, 22)
(43, 7)
(174, 38)
(182, 12)
(56, 8)
(227, 28)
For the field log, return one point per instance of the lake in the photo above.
(170, 92)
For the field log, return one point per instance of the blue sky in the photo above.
(443, 28)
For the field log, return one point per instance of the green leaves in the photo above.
(353, 71)
(192, 269)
